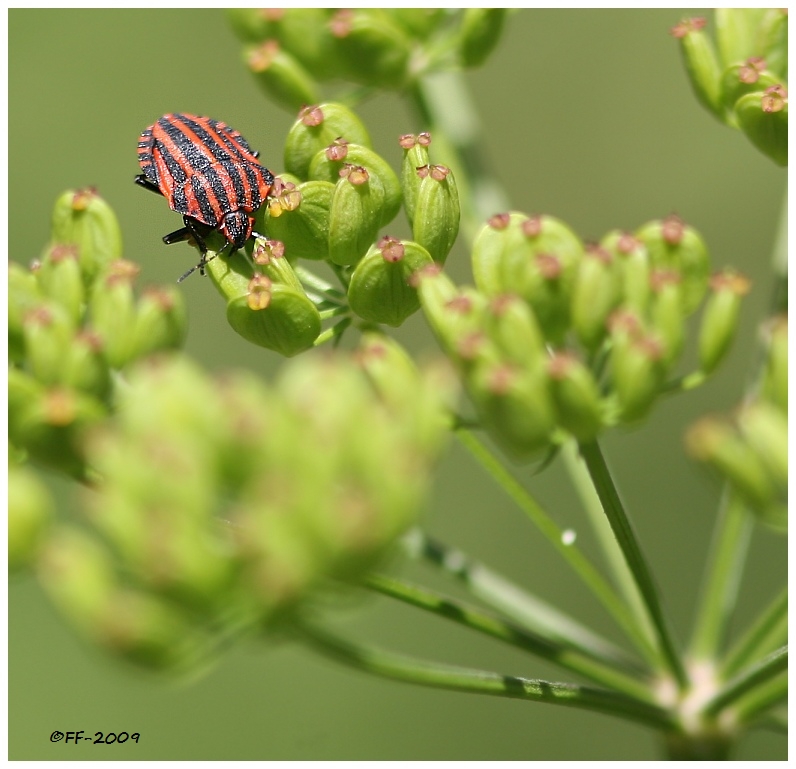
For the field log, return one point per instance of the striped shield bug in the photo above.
(208, 173)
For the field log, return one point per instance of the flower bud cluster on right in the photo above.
(742, 78)
(557, 338)
(749, 448)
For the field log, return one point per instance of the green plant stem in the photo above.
(401, 668)
(749, 680)
(720, 591)
(571, 554)
(769, 631)
(623, 578)
(457, 611)
(527, 610)
(637, 563)
(332, 334)
(757, 707)
(320, 286)
(444, 107)
(334, 312)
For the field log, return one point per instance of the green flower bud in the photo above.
(113, 312)
(275, 316)
(329, 164)
(281, 76)
(576, 397)
(59, 278)
(425, 398)
(370, 35)
(456, 315)
(50, 424)
(253, 25)
(306, 34)
(765, 429)
(48, 333)
(23, 296)
(380, 290)
(315, 129)
(161, 322)
(720, 318)
(673, 245)
(774, 387)
(303, 227)
(85, 368)
(666, 313)
(773, 41)
(415, 157)
(701, 63)
(718, 444)
(514, 406)
(355, 215)
(595, 295)
(230, 275)
(499, 237)
(83, 219)
(269, 255)
(30, 510)
(419, 23)
(743, 78)
(737, 32)
(763, 117)
(543, 270)
(632, 262)
(511, 325)
(436, 221)
(78, 575)
(479, 35)
(637, 368)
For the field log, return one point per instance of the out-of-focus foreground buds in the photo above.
(742, 78)
(74, 320)
(223, 504)
(749, 449)
(558, 338)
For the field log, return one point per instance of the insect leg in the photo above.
(142, 181)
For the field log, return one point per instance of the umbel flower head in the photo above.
(223, 504)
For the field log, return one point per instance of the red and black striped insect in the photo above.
(208, 173)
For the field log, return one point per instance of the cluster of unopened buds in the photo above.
(742, 79)
(557, 338)
(331, 204)
(293, 53)
(749, 448)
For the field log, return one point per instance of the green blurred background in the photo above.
(587, 115)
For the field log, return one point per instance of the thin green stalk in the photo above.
(334, 312)
(524, 608)
(574, 557)
(769, 631)
(623, 578)
(332, 334)
(749, 680)
(320, 286)
(458, 611)
(720, 591)
(401, 668)
(734, 525)
(628, 543)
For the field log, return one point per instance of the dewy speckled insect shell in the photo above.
(208, 173)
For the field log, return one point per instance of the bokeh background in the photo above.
(587, 115)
